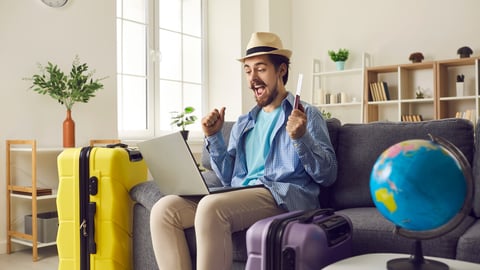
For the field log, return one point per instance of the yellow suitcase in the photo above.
(94, 207)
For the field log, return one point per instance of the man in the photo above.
(287, 150)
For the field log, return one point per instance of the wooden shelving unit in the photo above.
(22, 192)
(436, 78)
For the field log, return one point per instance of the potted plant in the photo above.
(339, 57)
(416, 57)
(184, 118)
(67, 89)
(464, 52)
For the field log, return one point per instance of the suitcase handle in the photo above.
(133, 154)
(308, 217)
(115, 145)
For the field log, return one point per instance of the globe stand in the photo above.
(416, 262)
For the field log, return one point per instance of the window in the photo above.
(160, 66)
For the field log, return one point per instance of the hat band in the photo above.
(260, 49)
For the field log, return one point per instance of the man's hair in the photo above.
(277, 60)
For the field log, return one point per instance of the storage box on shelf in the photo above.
(453, 103)
(339, 92)
(21, 190)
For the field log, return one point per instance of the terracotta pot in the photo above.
(68, 131)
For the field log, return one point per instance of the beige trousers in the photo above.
(215, 217)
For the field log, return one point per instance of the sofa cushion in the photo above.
(468, 248)
(359, 146)
(333, 126)
(372, 233)
(476, 172)
(146, 193)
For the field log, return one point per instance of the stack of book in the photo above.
(412, 118)
(468, 114)
(379, 91)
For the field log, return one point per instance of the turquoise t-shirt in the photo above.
(258, 144)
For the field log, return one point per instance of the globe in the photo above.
(424, 187)
(420, 185)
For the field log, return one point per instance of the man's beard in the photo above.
(269, 99)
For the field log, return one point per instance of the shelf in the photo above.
(16, 189)
(30, 244)
(339, 72)
(346, 104)
(418, 100)
(42, 197)
(41, 150)
(386, 102)
(458, 98)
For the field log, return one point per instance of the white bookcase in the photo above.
(340, 92)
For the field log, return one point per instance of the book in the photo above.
(384, 86)
(40, 191)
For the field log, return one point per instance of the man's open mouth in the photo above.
(259, 90)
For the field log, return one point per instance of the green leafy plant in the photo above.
(67, 89)
(326, 115)
(184, 118)
(340, 55)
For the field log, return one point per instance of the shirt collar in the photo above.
(287, 105)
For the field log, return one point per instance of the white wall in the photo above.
(388, 30)
(31, 33)
(224, 46)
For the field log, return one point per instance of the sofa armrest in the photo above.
(146, 193)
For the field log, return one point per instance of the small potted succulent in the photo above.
(183, 119)
(339, 57)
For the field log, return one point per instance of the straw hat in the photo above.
(265, 43)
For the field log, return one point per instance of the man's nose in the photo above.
(253, 75)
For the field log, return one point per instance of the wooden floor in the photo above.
(19, 260)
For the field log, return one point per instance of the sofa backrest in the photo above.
(476, 172)
(226, 129)
(359, 146)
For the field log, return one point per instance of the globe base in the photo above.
(416, 261)
(410, 264)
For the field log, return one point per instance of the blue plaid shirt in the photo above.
(294, 169)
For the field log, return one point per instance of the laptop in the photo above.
(174, 169)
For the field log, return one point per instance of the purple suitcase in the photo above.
(299, 240)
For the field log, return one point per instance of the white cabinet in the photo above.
(339, 93)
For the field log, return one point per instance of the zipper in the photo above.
(83, 180)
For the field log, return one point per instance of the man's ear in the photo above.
(282, 70)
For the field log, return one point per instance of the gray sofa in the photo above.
(357, 147)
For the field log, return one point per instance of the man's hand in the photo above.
(213, 122)
(297, 123)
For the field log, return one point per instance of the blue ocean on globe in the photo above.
(418, 185)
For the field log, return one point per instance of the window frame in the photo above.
(153, 58)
